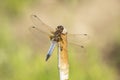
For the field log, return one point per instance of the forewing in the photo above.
(40, 25)
(78, 39)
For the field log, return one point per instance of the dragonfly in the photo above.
(54, 34)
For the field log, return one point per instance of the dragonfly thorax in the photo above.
(57, 34)
(59, 29)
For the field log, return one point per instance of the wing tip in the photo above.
(82, 46)
(85, 34)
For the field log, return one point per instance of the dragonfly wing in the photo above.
(78, 39)
(40, 25)
(50, 51)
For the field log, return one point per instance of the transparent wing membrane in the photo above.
(78, 39)
(41, 26)
(39, 35)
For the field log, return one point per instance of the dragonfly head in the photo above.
(61, 29)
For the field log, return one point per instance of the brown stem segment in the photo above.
(63, 64)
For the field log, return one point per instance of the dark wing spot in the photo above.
(35, 15)
(33, 27)
(82, 46)
(85, 34)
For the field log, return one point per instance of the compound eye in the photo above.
(58, 27)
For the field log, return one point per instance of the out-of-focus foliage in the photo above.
(20, 61)
(12, 8)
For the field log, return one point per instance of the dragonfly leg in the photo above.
(61, 48)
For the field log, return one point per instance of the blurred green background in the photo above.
(20, 55)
